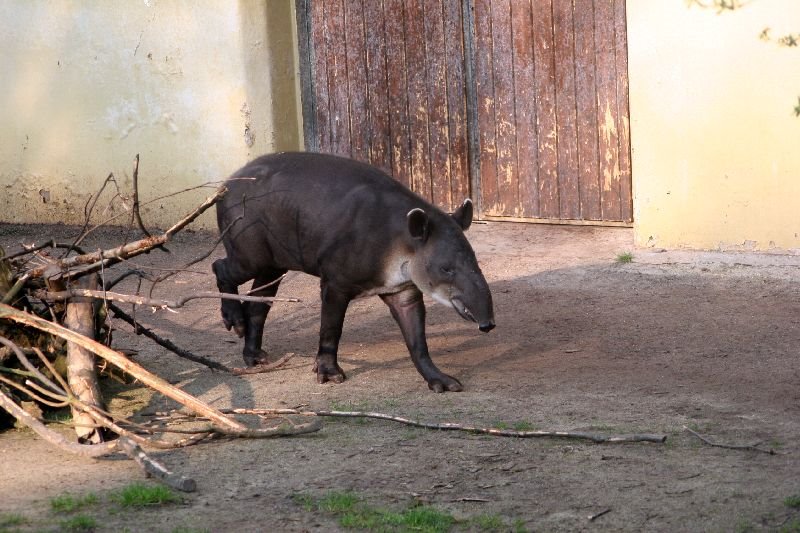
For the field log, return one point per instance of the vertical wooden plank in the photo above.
(484, 88)
(607, 109)
(336, 48)
(417, 97)
(524, 95)
(588, 138)
(320, 82)
(623, 111)
(399, 138)
(505, 120)
(378, 103)
(456, 102)
(544, 75)
(355, 50)
(566, 119)
(305, 53)
(438, 123)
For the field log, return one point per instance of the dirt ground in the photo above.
(673, 339)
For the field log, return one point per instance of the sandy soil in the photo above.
(674, 339)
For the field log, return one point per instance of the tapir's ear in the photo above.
(463, 214)
(418, 224)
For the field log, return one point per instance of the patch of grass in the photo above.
(500, 425)
(791, 527)
(353, 513)
(524, 426)
(338, 502)
(182, 529)
(141, 495)
(489, 522)
(11, 519)
(744, 526)
(67, 503)
(625, 257)
(80, 522)
(518, 526)
(792, 501)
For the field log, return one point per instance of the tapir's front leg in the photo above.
(408, 309)
(334, 307)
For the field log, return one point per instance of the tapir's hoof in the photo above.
(326, 373)
(445, 383)
(257, 357)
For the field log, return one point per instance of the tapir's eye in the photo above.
(447, 270)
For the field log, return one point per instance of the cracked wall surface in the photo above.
(197, 88)
(714, 136)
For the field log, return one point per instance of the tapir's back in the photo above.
(291, 210)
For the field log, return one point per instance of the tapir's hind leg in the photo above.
(229, 277)
(255, 313)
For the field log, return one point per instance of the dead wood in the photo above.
(81, 371)
(80, 265)
(126, 365)
(86, 450)
(751, 447)
(60, 296)
(156, 469)
(449, 426)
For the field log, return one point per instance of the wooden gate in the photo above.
(522, 104)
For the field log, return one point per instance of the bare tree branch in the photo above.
(594, 437)
(60, 296)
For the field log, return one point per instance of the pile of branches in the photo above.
(55, 299)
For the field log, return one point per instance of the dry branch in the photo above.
(86, 450)
(92, 262)
(60, 296)
(156, 469)
(126, 365)
(449, 426)
(752, 447)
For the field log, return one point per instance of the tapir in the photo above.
(362, 233)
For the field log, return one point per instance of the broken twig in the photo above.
(752, 447)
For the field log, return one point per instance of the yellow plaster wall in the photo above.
(196, 87)
(715, 143)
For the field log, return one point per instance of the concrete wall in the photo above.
(197, 87)
(716, 144)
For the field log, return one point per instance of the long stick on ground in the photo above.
(138, 372)
(753, 447)
(448, 426)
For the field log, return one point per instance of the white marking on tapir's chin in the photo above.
(442, 300)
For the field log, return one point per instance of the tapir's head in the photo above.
(444, 266)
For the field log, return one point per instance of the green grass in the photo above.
(141, 495)
(792, 501)
(353, 513)
(791, 527)
(524, 426)
(625, 257)
(79, 523)
(67, 503)
(489, 522)
(8, 520)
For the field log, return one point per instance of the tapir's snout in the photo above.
(486, 327)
